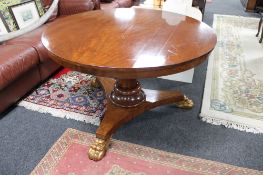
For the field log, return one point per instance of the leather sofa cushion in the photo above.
(111, 5)
(14, 61)
(70, 7)
(18, 88)
(117, 4)
(33, 39)
(125, 3)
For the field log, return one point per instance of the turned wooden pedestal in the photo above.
(126, 100)
(120, 46)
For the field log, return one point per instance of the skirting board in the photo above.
(186, 76)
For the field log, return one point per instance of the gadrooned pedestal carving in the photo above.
(127, 93)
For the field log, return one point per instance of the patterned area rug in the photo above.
(233, 94)
(68, 156)
(68, 94)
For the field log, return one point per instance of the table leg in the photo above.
(126, 100)
(260, 40)
(259, 25)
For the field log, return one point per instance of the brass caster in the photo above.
(95, 83)
(186, 103)
(98, 149)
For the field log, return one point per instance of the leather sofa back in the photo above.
(70, 7)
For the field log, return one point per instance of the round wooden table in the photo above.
(119, 46)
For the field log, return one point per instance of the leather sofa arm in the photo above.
(70, 7)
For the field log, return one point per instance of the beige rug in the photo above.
(233, 94)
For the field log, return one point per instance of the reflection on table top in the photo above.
(128, 39)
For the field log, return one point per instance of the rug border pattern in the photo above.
(181, 162)
(220, 118)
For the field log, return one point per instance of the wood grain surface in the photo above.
(129, 43)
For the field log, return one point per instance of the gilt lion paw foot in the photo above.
(98, 149)
(186, 103)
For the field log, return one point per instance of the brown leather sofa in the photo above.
(104, 4)
(24, 63)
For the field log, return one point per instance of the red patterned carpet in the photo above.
(68, 94)
(68, 156)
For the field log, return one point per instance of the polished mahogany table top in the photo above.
(129, 43)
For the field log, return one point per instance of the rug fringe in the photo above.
(61, 113)
(230, 124)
